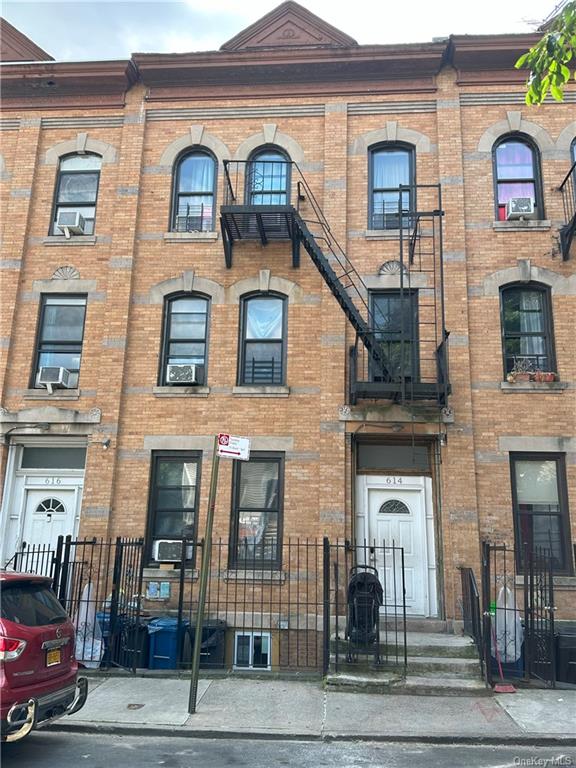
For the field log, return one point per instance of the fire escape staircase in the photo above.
(270, 223)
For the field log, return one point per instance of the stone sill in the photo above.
(70, 241)
(190, 237)
(170, 574)
(178, 391)
(58, 394)
(521, 225)
(382, 234)
(554, 387)
(264, 577)
(261, 391)
(562, 582)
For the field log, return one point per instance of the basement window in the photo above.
(252, 650)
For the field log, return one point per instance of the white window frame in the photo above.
(252, 634)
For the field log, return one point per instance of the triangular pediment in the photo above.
(289, 26)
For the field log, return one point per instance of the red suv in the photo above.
(38, 671)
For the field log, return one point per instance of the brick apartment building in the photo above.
(173, 238)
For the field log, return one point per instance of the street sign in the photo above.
(233, 447)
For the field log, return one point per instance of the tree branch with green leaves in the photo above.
(552, 60)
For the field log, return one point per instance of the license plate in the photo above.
(53, 657)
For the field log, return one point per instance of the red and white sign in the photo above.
(233, 447)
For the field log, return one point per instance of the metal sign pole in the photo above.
(206, 554)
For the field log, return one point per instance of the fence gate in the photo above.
(539, 612)
(518, 613)
(99, 583)
(365, 610)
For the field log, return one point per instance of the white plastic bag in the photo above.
(508, 631)
(89, 647)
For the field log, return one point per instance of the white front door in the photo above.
(397, 521)
(49, 513)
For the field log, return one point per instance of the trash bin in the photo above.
(566, 653)
(133, 650)
(164, 642)
(110, 636)
(212, 650)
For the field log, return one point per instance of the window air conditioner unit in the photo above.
(181, 374)
(169, 551)
(70, 222)
(519, 208)
(52, 376)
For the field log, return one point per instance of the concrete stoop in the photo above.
(438, 663)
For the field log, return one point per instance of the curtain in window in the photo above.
(531, 322)
(390, 169)
(197, 174)
(264, 319)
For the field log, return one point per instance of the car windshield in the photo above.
(33, 605)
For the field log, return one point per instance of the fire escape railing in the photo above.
(567, 232)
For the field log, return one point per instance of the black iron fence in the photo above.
(518, 613)
(99, 583)
(313, 606)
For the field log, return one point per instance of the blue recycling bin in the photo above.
(164, 642)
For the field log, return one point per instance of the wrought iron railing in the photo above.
(471, 613)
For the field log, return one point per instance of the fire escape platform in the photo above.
(262, 223)
(390, 390)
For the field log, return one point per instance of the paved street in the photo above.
(68, 750)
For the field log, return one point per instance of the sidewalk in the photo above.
(237, 707)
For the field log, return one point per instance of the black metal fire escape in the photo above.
(305, 225)
(568, 231)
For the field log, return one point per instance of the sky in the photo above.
(113, 29)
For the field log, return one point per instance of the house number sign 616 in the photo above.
(53, 481)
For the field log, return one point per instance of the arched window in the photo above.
(263, 340)
(76, 194)
(390, 166)
(527, 332)
(193, 198)
(268, 178)
(517, 176)
(185, 340)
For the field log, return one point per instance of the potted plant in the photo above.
(522, 370)
(544, 376)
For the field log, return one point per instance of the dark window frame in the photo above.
(56, 205)
(164, 353)
(410, 294)
(152, 510)
(38, 336)
(176, 194)
(235, 562)
(391, 146)
(564, 511)
(242, 341)
(536, 178)
(253, 158)
(548, 332)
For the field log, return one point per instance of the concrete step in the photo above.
(417, 665)
(412, 685)
(417, 624)
(417, 644)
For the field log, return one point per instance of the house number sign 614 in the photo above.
(389, 480)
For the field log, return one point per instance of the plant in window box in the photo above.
(522, 370)
(544, 376)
